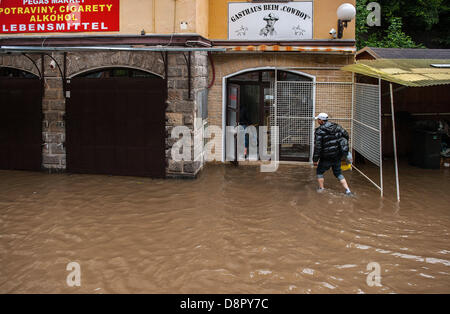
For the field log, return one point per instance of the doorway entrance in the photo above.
(116, 123)
(20, 120)
(251, 102)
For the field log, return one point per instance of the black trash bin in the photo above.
(426, 149)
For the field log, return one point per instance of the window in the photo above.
(247, 77)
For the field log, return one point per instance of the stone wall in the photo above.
(53, 129)
(181, 107)
(183, 110)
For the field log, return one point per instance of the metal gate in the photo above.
(20, 124)
(367, 127)
(293, 113)
(116, 126)
(355, 106)
(297, 103)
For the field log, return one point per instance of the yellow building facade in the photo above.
(208, 18)
(208, 63)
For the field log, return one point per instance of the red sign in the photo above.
(49, 16)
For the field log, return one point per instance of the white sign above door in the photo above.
(270, 21)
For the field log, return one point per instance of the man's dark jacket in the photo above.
(329, 142)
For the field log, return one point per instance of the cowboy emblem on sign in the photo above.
(269, 29)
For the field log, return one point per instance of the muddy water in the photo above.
(230, 231)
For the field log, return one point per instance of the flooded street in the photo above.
(233, 230)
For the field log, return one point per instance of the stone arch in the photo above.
(145, 61)
(20, 62)
(115, 67)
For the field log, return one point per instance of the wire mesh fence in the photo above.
(295, 112)
(335, 99)
(366, 122)
(297, 103)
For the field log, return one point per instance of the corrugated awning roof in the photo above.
(280, 48)
(406, 53)
(407, 72)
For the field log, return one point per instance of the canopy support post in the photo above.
(395, 144)
(380, 126)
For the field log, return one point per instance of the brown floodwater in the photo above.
(233, 230)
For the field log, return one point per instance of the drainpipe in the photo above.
(213, 69)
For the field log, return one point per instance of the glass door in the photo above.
(233, 107)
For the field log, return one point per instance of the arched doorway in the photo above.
(115, 123)
(20, 120)
(249, 100)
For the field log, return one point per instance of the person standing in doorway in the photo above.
(329, 151)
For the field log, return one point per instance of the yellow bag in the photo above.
(345, 166)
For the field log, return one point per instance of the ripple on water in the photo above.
(233, 230)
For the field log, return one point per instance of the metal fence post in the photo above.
(381, 138)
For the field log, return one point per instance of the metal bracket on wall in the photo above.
(188, 64)
(165, 59)
(42, 76)
(34, 63)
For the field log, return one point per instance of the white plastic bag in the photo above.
(349, 158)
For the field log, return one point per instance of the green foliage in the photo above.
(404, 24)
(393, 37)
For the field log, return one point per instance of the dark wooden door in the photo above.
(116, 126)
(20, 124)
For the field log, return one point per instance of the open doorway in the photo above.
(250, 102)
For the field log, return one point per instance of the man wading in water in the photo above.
(329, 149)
